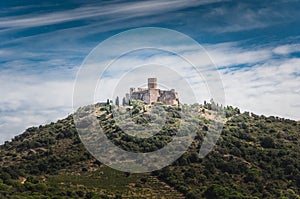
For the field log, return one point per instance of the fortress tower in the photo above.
(152, 83)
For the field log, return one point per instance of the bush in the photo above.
(267, 142)
(215, 191)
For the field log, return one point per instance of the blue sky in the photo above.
(255, 45)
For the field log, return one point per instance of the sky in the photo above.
(255, 46)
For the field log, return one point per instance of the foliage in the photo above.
(255, 157)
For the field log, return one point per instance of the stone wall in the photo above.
(152, 94)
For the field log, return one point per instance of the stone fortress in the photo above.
(153, 94)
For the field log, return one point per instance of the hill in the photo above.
(255, 157)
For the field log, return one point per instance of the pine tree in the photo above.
(123, 101)
(117, 101)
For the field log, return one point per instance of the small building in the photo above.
(153, 94)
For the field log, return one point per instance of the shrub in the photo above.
(267, 142)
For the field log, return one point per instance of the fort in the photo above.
(153, 94)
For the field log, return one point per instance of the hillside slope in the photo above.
(255, 157)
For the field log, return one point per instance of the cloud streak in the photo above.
(122, 10)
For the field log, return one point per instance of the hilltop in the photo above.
(255, 157)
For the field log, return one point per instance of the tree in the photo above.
(215, 191)
(124, 101)
(267, 142)
(117, 101)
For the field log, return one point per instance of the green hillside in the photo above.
(255, 157)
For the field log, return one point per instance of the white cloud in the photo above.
(268, 86)
(287, 49)
(28, 100)
(269, 89)
(227, 54)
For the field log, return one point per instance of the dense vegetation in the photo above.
(255, 157)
